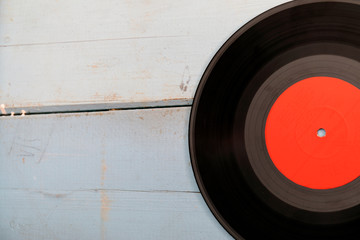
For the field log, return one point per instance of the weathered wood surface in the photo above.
(106, 215)
(88, 51)
(106, 175)
(141, 150)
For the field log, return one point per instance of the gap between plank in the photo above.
(66, 192)
(95, 107)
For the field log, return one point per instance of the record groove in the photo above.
(243, 188)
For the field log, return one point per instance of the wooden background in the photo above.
(106, 88)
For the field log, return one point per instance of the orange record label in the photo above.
(312, 133)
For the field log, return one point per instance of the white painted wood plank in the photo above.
(106, 215)
(140, 70)
(142, 150)
(52, 21)
(80, 52)
(107, 175)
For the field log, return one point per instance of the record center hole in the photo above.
(321, 133)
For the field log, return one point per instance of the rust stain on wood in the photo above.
(105, 206)
(142, 75)
(97, 65)
(103, 171)
(105, 202)
(112, 97)
(167, 112)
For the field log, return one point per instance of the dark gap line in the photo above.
(95, 110)
(53, 192)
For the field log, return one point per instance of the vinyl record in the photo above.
(274, 128)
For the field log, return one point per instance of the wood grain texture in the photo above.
(106, 175)
(106, 215)
(141, 150)
(80, 52)
(116, 174)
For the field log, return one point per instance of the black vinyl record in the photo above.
(301, 42)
